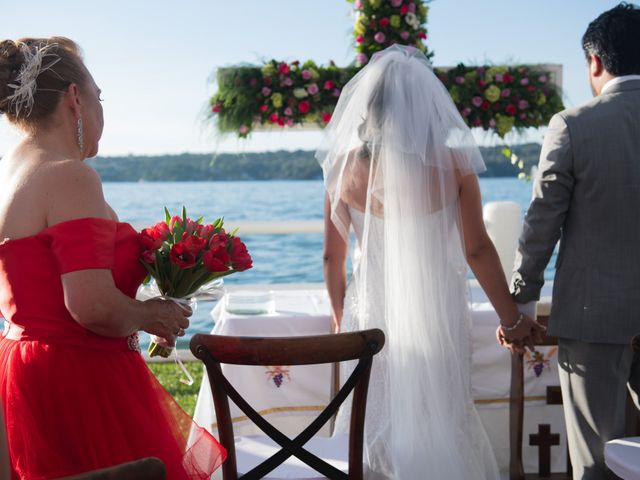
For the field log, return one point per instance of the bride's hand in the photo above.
(526, 334)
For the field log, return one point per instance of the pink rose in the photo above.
(243, 130)
(524, 81)
(476, 101)
(396, 3)
(313, 89)
(358, 4)
(361, 58)
(336, 92)
(379, 37)
(499, 77)
(492, 123)
(287, 82)
(505, 93)
(466, 111)
(288, 112)
(459, 80)
(306, 74)
(523, 104)
(412, 7)
(266, 91)
(523, 116)
(404, 35)
(542, 79)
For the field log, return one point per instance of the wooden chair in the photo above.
(362, 346)
(553, 397)
(150, 468)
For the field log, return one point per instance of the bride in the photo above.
(400, 168)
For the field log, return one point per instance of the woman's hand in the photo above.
(166, 319)
(526, 334)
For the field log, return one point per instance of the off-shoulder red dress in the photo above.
(73, 400)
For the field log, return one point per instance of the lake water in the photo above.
(277, 258)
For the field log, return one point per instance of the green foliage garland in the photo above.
(281, 94)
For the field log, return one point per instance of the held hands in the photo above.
(522, 334)
(167, 320)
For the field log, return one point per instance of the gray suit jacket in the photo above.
(587, 194)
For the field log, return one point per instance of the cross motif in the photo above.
(289, 94)
(544, 440)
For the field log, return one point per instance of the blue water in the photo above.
(277, 258)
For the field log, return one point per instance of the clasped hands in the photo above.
(526, 333)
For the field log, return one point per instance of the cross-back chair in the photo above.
(553, 397)
(150, 468)
(214, 350)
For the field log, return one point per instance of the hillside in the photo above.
(296, 165)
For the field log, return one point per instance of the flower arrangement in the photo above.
(282, 94)
(184, 256)
(502, 98)
(382, 23)
(278, 94)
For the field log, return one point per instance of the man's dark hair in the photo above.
(615, 37)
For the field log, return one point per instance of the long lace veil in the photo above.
(393, 152)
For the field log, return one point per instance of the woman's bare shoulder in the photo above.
(73, 190)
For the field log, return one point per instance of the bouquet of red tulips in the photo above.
(184, 256)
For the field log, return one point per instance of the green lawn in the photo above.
(169, 374)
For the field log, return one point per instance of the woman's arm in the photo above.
(483, 259)
(335, 270)
(91, 296)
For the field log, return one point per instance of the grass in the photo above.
(169, 374)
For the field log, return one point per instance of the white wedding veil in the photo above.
(392, 155)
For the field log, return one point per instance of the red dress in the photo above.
(73, 400)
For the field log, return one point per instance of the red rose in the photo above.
(215, 108)
(182, 256)
(192, 243)
(240, 258)
(384, 22)
(422, 35)
(281, 122)
(149, 256)
(485, 105)
(477, 122)
(326, 117)
(531, 88)
(482, 83)
(153, 237)
(507, 78)
(266, 81)
(273, 118)
(304, 106)
(175, 219)
(329, 84)
(511, 109)
(283, 69)
(263, 108)
(216, 260)
(404, 9)
(206, 231)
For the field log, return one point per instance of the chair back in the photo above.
(321, 349)
(150, 468)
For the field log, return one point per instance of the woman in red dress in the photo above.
(76, 393)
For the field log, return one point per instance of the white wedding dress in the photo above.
(468, 451)
(392, 157)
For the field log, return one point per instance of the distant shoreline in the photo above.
(267, 166)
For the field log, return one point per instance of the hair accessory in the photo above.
(22, 99)
(80, 134)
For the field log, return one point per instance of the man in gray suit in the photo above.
(587, 194)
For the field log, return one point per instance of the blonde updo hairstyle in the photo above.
(51, 83)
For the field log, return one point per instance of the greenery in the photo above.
(168, 374)
(280, 165)
(281, 94)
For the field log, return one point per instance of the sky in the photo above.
(155, 61)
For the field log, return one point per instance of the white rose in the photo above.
(300, 92)
(412, 20)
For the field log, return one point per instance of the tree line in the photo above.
(279, 165)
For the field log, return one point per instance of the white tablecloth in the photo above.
(290, 396)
